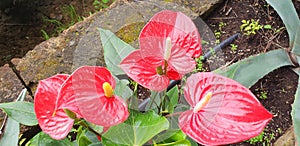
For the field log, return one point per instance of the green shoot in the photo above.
(250, 27)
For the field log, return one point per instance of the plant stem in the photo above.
(173, 114)
(83, 123)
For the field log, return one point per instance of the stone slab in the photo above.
(81, 45)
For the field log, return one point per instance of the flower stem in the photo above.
(83, 123)
(173, 114)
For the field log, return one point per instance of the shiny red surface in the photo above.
(46, 102)
(141, 65)
(233, 113)
(86, 83)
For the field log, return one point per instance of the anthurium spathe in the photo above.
(168, 43)
(222, 111)
(49, 107)
(93, 89)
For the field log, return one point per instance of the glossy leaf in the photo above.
(296, 111)
(81, 138)
(50, 111)
(12, 128)
(289, 16)
(170, 136)
(115, 50)
(248, 71)
(122, 89)
(87, 84)
(176, 25)
(173, 96)
(11, 133)
(20, 111)
(138, 129)
(183, 142)
(296, 45)
(232, 114)
(42, 139)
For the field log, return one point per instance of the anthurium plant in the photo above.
(101, 109)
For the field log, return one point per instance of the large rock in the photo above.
(81, 45)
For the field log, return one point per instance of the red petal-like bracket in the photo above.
(231, 115)
(176, 25)
(95, 107)
(143, 71)
(51, 118)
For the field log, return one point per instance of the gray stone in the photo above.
(80, 45)
(287, 139)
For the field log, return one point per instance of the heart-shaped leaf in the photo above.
(42, 139)
(21, 112)
(138, 129)
(11, 133)
(115, 50)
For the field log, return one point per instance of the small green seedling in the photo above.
(263, 95)
(233, 47)
(199, 64)
(101, 4)
(258, 139)
(219, 31)
(250, 27)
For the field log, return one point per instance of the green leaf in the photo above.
(170, 136)
(122, 89)
(296, 45)
(22, 95)
(289, 16)
(173, 95)
(115, 50)
(193, 143)
(81, 138)
(11, 130)
(138, 129)
(248, 71)
(96, 144)
(21, 111)
(42, 139)
(268, 26)
(154, 102)
(11, 133)
(183, 142)
(296, 111)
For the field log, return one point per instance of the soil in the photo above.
(278, 86)
(21, 25)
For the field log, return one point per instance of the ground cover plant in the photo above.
(164, 67)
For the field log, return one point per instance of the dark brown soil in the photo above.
(280, 85)
(21, 25)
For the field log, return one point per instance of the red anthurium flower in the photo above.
(168, 43)
(176, 25)
(49, 108)
(222, 111)
(148, 71)
(93, 89)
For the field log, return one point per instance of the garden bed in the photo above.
(275, 91)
